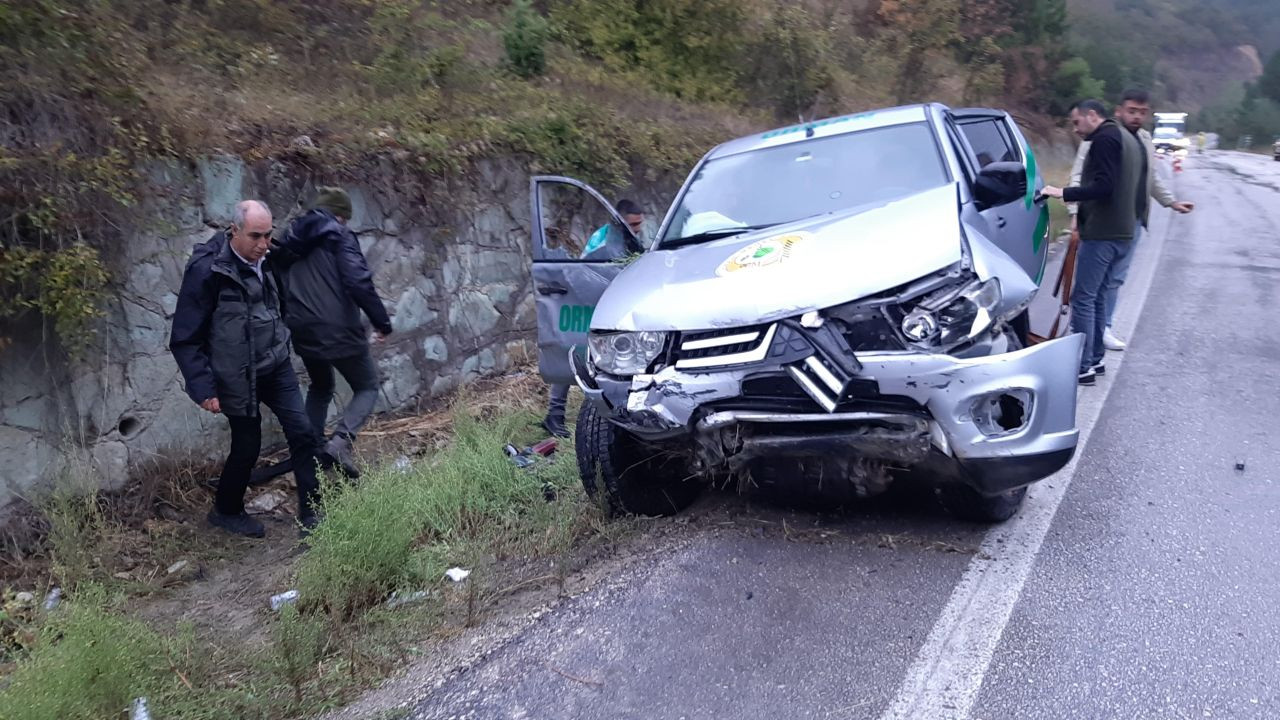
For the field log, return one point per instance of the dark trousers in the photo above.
(360, 373)
(278, 390)
(1096, 262)
(557, 401)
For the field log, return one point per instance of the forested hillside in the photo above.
(1203, 56)
(91, 89)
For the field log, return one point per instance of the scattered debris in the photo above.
(53, 599)
(139, 710)
(288, 597)
(1240, 464)
(177, 567)
(403, 463)
(398, 598)
(267, 502)
(122, 576)
(521, 459)
(25, 599)
(457, 574)
(530, 456)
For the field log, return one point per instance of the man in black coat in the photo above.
(232, 346)
(1113, 197)
(328, 284)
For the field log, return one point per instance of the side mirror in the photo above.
(999, 183)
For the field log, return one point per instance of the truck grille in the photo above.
(716, 348)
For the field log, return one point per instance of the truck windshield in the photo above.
(804, 179)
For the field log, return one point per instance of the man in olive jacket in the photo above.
(328, 284)
(1113, 200)
(232, 347)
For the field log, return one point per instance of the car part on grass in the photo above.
(533, 456)
(287, 597)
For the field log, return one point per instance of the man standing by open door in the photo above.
(1113, 201)
(601, 244)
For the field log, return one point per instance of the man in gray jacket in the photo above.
(1133, 112)
(327, 285)
(232, 347)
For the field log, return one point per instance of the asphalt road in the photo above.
(1140, 582)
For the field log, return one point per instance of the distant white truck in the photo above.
(1170, 134)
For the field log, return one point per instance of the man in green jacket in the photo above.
(1113, 201)
(1133, 112)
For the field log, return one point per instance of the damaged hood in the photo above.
(786, 270)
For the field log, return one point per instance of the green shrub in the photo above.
(89, 663)
(791, 62)
(298, 643)
(401, 528)
(525, 40)
(76, 525)
(694, 50)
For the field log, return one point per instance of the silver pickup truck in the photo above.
(824, 308)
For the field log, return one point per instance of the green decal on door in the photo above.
(1031, 176)
(1042, 234)
(576, 318)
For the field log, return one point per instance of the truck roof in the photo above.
(823, 128)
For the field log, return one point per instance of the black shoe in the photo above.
(555, 426)
(240, 524)
(1100, 369)
(1088, 377)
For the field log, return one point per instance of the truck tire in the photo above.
(966, 503)
(628, 476)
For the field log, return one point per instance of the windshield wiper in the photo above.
(713, 235)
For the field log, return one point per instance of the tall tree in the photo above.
(916, 32)
(1269, 83)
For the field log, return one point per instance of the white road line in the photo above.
(943, 681)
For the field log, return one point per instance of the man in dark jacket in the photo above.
(231, 344)
(1113, 201)
(327, 284)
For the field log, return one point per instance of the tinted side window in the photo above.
(990, 141)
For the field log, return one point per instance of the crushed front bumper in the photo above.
(997, 422)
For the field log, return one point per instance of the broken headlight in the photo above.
(625, 353)
(955, 317)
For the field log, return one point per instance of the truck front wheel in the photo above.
(628, 476)
(966, 503)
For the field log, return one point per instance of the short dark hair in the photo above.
(628, 207)
(1138, 95)
(1095, 105)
